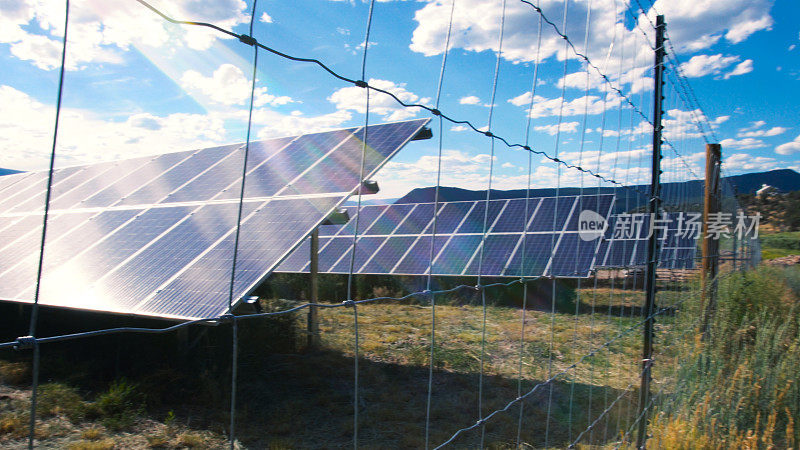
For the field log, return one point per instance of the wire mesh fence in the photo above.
(432, 361)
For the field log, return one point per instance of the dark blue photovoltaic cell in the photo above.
(512, 219)
(496, 254)
(16, 229)
(225, 174)
(62, 247)
(418, 221)
(389, 255)
(34, 188)
(418, 259)
(537, 251)
(336, 249)
(98, 260)
(284, 166)
(6, 181)
(23, 190)
(158, 189)
(28, 243)
(367, 218)
(390, 219)
(152, 255)
(506, 216)
(365, 247)
(677, 250)
(549, 209)
(667, 258)
(685, 258)
(299, 260)
(573, 256)
(452, 259)
(450, 216)
(626, 253)
(101, 194)
(70, 234)
(475, 220)
(62, 185)
(267, 233)
(600, 204)
(169, 253)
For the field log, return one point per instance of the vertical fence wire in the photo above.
(234, 326)
(360, 188)
(431, 256)
(674, 259)
(482, 290)
(34, 317)
(553, 242)
(578, 291)
(525, 220)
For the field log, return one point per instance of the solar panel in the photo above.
(396, 239)
(676, 237)
(154, 236)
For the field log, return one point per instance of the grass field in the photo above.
(292, 398)
(160, 392)
(778, 245)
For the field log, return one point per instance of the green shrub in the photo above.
(119, 406)
(16, 373)
(59, 399)
(738, 388)
(789, 241)
(14, 425)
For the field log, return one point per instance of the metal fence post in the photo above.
(313, 318)
(710, 249)
(652, 244)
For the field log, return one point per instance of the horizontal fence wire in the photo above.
(252, 41)
(699, 118)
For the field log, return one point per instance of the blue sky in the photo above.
(136, 85)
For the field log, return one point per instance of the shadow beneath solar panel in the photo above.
(290, 398)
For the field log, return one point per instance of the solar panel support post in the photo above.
(313, 318)
(710, 248)
(735, 251)
(652, 243)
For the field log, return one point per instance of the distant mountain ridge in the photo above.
(784, 180)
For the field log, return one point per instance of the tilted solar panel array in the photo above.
(396, 239)
(155, 236)
(677, 242)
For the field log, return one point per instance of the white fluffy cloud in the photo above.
(228, 85)
(470, 100)
(681, 124)
(744, 143)
(458, 169)
(742, 68)
(548, 107)
(693, 26)
(756, 130)
(353, 98)
(743, 162)
(702, 65)
(273, 124)
(789, 147)
(697, 25)
(552, 130)
(85, 138)
(98, 30)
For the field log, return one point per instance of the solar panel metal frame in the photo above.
(475, 252)
(664, 263)
(341, 196)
